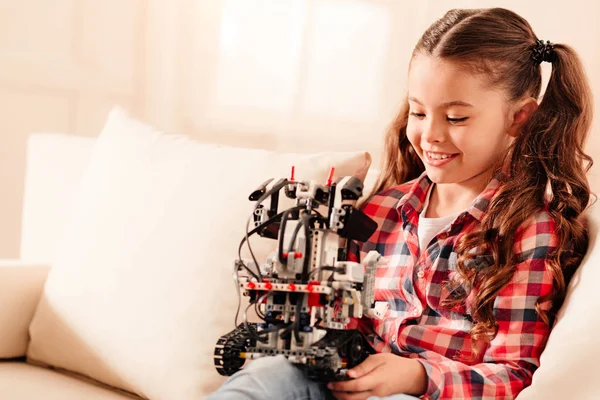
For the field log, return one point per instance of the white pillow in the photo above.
(142, 287)
(567, 364)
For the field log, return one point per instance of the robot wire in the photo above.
(252, 232)
(304, 222)
(294, 236)
(259, 302)
(235, 266)
(257, 334)
(255, 275)
(277, 187)
(252, 332)
(266, 330)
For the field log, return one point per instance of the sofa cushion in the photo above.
(142, 284)
(19, 380)
(567, 363)
(21, 286)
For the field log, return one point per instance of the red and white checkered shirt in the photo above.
(414, 283)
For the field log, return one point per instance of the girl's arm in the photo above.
(514, 354)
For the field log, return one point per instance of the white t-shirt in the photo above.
(429, 227)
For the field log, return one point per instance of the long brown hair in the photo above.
(545, 167)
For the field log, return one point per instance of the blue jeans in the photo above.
(274, 378)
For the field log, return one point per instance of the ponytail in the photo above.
(547, 168)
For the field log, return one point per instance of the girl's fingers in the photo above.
(362, 384)
(366, 366)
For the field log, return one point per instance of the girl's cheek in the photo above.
(413, 136)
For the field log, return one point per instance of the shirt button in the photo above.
(415, 313)
(420, 274)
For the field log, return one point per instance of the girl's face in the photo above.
(456, 125)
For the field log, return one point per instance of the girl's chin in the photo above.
(441, 177)
(440, 181)
(460, 175)
(437, 176)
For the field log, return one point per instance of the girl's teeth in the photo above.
(438, 156)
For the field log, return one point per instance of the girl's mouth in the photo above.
(438, 159)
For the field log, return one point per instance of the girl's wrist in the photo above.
(420, 381)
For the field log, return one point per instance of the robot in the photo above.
(307, 290)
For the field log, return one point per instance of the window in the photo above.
(319, 58)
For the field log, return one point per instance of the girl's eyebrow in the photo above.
(447, 104)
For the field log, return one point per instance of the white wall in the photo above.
(280, 74)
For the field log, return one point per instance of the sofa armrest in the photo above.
(21, 285)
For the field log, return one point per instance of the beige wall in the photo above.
(281, 74)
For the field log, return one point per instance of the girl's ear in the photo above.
(520, 113)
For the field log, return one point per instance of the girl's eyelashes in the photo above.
(457, 120)
(417, 115)
(449, 119)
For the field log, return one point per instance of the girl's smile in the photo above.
(438, 159)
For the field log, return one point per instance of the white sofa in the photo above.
(51, 186)
(80, 342)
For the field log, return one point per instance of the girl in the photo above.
(479, 213)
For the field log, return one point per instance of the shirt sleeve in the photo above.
(513, 355)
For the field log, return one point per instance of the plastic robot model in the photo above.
(307, 290)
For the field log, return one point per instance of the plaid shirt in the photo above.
(414, 283)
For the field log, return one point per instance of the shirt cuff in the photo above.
(434, 380)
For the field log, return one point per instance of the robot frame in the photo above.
(307, 290)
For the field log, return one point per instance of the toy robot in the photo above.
(307, 290)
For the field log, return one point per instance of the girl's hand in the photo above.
(382, 375)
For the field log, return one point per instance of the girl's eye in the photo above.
(417, 115)
(457, 120)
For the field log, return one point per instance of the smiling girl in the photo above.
(479, 212)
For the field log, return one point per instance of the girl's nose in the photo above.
(434, 133)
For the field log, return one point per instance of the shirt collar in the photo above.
(416, 197)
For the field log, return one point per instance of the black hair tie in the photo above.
(543, 52)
